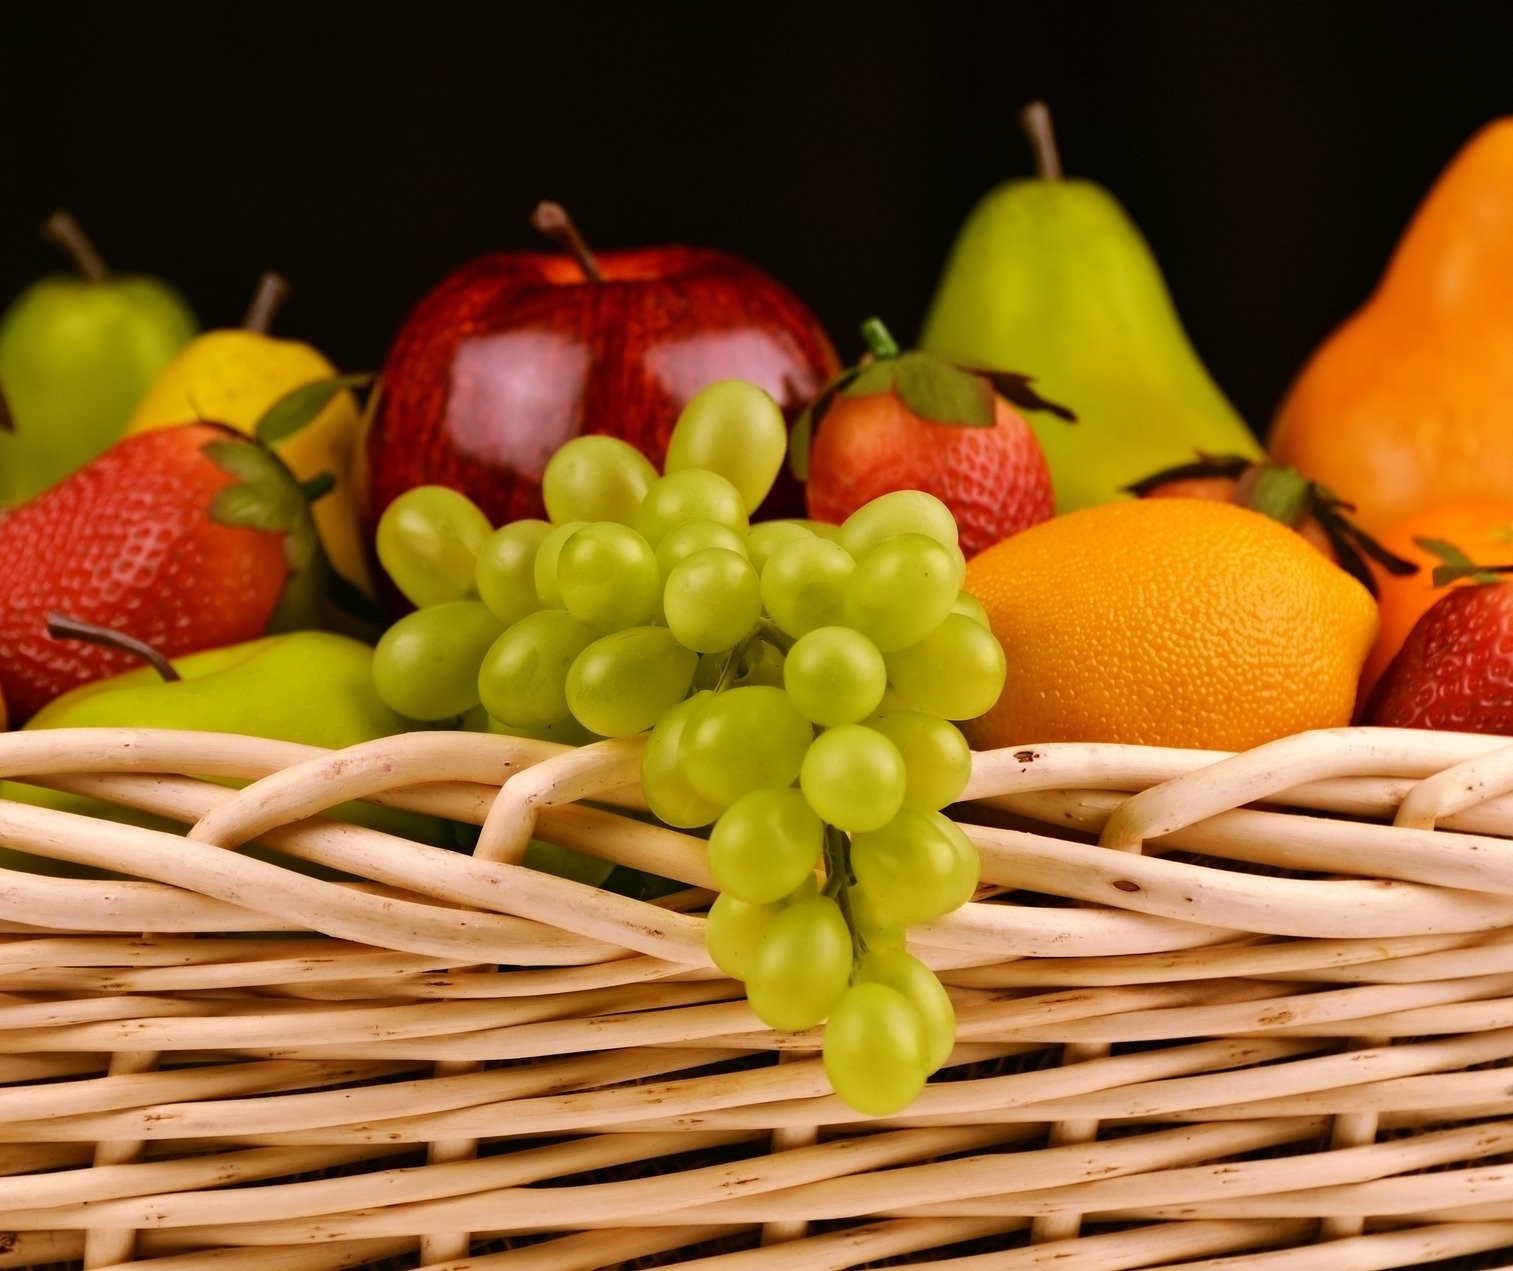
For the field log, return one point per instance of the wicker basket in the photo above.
(1214, 1011)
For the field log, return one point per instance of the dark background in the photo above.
(1271, 152)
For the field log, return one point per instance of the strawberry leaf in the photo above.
(265, 496)
(1457, 565)
(297, 408)
(939, 393)
(1016, 388)
(1205, 465)
(872, 377)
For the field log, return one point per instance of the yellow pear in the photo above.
(233, 376)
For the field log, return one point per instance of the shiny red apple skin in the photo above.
(516, 353)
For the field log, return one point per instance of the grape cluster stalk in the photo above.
(798, 682)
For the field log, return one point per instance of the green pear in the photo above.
(314, 687)
(76, 352)
(1051, 277)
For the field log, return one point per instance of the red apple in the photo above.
(516, 353)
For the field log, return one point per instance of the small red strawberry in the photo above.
(186, 538)
(915, 421)
(1454, 672)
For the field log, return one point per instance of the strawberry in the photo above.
(915, 421)
(1454, 671)
(1319, 515)
(185, 538)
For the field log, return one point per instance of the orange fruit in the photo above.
(1484, 531)
(1168, 622)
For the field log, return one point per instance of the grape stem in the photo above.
(765, 629)
(838, 880)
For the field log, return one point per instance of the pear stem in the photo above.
(1036, 121)
(272, 290)
(552, 220)
(61, 627)
(62, 230)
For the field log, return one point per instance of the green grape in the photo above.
(734, 928)
(901, 970)
(548, 553)
(607, 575)
(741, 740)
(767, 536)
(565, 731)
(682, 541)
(901, 590)
(712, 599)
(834, 675)
(919, 866)
(427, 541)
(425, 666)
(804, 585)
(823, 529)
(956, 671)
(875, 1050)
(765, 844)
(937, 759)
(853, 777)
(898, 512)
(873, 928)
(505, 571)
(756, 662)
(968, 604)
(734, 428)
(668, 794)
(522, 679)
(690, 495)
(801, 965)
(626, 681)
(596, 478)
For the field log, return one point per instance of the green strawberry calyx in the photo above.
(932, 388)
(266, 496)
(1457, 567)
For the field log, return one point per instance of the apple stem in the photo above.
(62, 230)
(552, 220)
(1036, 121)
(62, 627)
(879, 340)
(272, 290)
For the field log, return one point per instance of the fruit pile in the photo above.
(635, 494)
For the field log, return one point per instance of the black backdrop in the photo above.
(1271, 152)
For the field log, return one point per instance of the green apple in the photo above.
(76, 353)
(314, 687)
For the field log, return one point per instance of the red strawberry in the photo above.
(185, 538)
(914, 421)
(1454, 672)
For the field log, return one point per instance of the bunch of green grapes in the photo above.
(799, 683)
